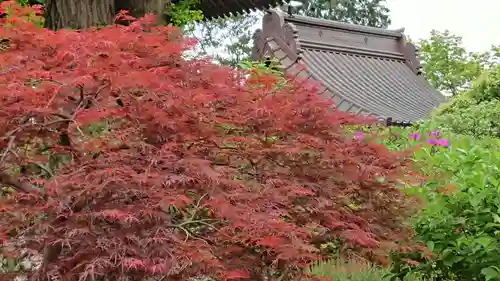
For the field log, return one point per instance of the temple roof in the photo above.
(366, 70)
(221, 8)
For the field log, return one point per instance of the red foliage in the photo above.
(11, 11)
(193, 173)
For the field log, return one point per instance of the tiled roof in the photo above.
(222, 8)
(369, 71)
(383, 86)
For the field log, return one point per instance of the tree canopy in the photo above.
(448, 66)
(122, 159)
(363, 12)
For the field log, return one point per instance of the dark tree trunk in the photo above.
(79, 14)
(140, 7)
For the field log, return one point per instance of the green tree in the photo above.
(227, 40)
(363, 12)
(447, 64)
(475, 112)
(489, 59)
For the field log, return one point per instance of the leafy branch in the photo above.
(192, 220)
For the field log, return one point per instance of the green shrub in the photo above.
(467, 117)
(460, 223)
(459, 102)
(487, 86)
(476, 112)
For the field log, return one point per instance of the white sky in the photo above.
(477, 21)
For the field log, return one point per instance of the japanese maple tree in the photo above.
(119, 158)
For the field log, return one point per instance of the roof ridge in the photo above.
(293, 32)
(398, 33)
(358, 51)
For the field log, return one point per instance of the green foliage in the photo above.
(489, 59)
(487, 87)
(10, 265)
(476, 112)
(460, 223)
(470, 118)
(227, 40)
(446, 63)
(363, 12)
(182, 13)
(269, 68)
(459, 102)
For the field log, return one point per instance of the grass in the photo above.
(353, 270)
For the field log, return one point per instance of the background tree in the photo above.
(363, 12)
(447, 65)
(228, 40)
(489, 59)
(87, 13)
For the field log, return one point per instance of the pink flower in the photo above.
(415, 136)
(359, 135)
(435, 133)
(439, 142)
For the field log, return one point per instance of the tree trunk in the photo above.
(138, 8)
(78, 14)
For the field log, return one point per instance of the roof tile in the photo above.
(385, 87)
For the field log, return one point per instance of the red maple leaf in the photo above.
(236, 274)
(137, 129)
(271, 241)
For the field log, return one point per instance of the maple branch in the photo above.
(51, 251)
(184, 225)
(6, 179)
(64, 118)
(189, 234)
(7, 149)
(21, 186)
